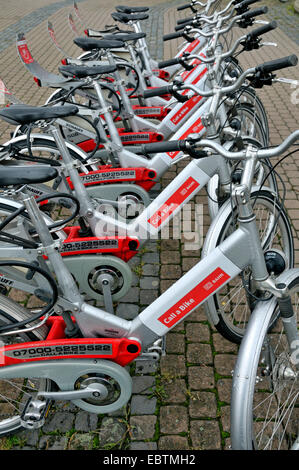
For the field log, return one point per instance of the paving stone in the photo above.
(167, 245)
(170, 257)
(225, 418)
(202, 405)
(166, 284)
(146, 366)
(141, 404)
(224, 387)
(149, 282)
(199, 353)
(131, 296)
(171, 271)
(60, 421)
(175, 343)
(60, 443)
(205, 435)
(151, 269)
(225, 364)
(143, 385)
(86, 421)
(148, 296)
(197, 332)
(173, 443)
(201, 377)
(173, 419)
(31, 438)
(223, 345)
(197, 315)
(151, 258)
(189, 263)
(112, 431)
(143, 446)
(173, 366)
(81, 442)
(175, 390)
(143, 427)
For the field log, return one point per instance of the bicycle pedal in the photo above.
(35, 413)
(154, 352)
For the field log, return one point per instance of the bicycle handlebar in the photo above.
(164, 90)
(241, 155)
(261, 30)
(252, 13)
(190, 145)
(277, 64)
(160, 147)
(184, 7)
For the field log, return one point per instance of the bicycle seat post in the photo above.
(128, 114)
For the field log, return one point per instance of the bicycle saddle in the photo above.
(129, 10)
(16, 175)
(124, 18)
(88, 44)
(82, 71)
(25, 114)
(125, 36)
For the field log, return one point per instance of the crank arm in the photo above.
(92, 391)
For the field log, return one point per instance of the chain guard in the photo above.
(67, 373)
(86, 270)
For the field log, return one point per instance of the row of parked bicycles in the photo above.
(96, 152)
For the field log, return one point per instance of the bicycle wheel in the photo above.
(250, 98)
(265, 406)
(250, 123)
(15, 393)
(45, 147)
(263, 176)
(230, 308)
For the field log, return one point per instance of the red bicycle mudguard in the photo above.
(57, 347)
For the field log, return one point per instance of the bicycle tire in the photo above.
(219, 308)
(10, 423)
(260, 420)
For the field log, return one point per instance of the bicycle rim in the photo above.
(15, 393)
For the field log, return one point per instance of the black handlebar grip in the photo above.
(262, 30)
(278, 64)
(168, 37)
(164, 90)
(255, 12)
(159, 147)
(169, 63)
(185, 20)
(182, 26)
(184, 7)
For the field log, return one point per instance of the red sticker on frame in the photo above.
(191, 300)
(177, 198)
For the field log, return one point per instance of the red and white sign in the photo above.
(191, 46)
(181, 113)
(197, 79)
(195, 128)
(25, 53)
(173, 202)
(191, 300)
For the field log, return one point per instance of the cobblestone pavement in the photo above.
(182, 402)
